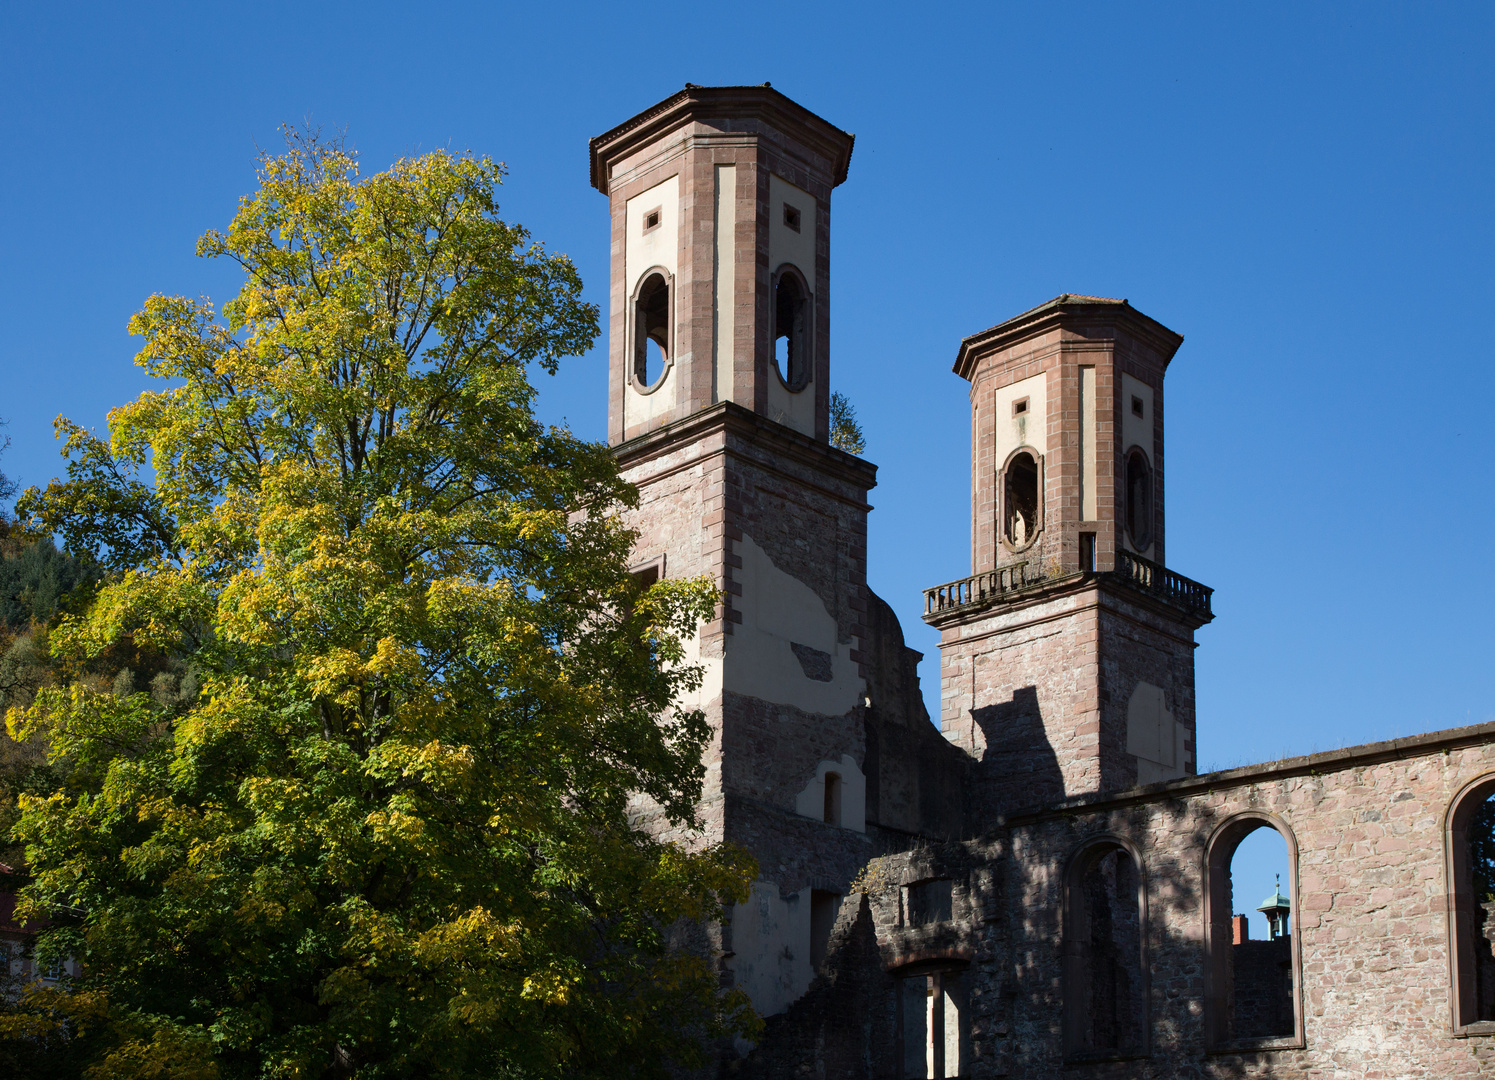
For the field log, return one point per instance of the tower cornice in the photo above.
(757, 430)
(721, 103)
(1067, 309)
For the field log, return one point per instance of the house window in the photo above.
(791, 217)
(1251, 982)
(653, 218)
(832, 798)
(791, 331)
(933, 1025)
(651, 330)
(824, 905)
(1020, 503)
(1138, 500)
(1137, 409)
(1105, 954)
(1471, 873)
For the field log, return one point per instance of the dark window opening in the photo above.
(1472, 823)
(1087, 553)
(1252, 986)
(791, 217)
(823, 908)
(1138, 500)
(791, 336)
(1020, 500)
(933, 1026)
(929, 902)
(833, 798)
(651, 346)
(1019, 406)
(1105, 998)
(652, 219)
(1136, 406)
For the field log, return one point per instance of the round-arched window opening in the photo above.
(1138, 500)
(651, 345)
(1471, 885)
(791, 350)
(1020, 500)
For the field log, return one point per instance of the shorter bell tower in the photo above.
(1067, 661)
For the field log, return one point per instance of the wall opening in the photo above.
(824, 905)
(832, 798)
(1105, 961)
(791, 332)
(928, 902)
(1020, 499)
(933, 1025)
(651, 330)
(1087, 553)
(1138, 500)
(1471, 867)
(1253, 973)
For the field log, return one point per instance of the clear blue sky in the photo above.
(1303, 191)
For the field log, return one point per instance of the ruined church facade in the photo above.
(1037, 886)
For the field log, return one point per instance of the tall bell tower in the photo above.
(719, 390)
(1067, 661)
(720, 206)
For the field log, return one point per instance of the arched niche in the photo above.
(1105, 953)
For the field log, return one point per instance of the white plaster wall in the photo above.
(1136, 430)
(1029, 429)
(642, 251)
(811, 801)
(793, 409)
(725, 332)
(1153, 736)
(771, 947)
(778, 609)
(1088, 467)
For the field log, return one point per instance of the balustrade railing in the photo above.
(1133, 570)
(977, 588)
(1162, 582)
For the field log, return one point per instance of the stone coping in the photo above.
(1307, 765)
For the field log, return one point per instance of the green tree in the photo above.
(846, 433)
(382, 830)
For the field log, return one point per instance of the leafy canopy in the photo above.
(379, 826)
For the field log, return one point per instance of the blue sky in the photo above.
(1303, 191)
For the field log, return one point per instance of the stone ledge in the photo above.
(1310, 764)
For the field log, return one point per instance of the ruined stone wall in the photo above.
(1371, 946)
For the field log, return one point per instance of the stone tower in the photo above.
(718, 400)
(1066, 660)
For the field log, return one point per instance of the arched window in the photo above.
(1138, 499)
(1470, 859)
(1105, 953)
(1022, 508)
(791, 328)
(651, 330)
(1252, 986)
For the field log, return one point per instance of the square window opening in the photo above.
(1020, 406)
(1137, 409)
(653, 218)
(791, 217)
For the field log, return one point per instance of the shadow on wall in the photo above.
(916, 779)
(844, 1022)
(1018, 769)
